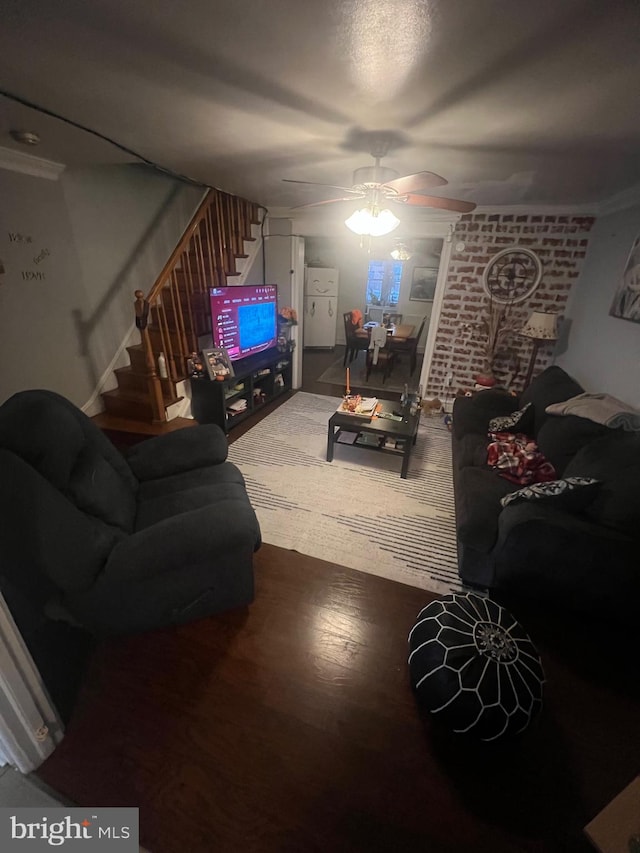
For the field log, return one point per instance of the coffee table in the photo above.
(377, 433)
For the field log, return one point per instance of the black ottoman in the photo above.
(474, 666)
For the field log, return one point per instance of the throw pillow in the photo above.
(560, 438)
(574, 493)
(615, 460)
(522, 419)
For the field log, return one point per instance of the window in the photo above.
(383, 283)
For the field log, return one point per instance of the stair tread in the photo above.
(107, 421)
(139, 397)
(129, 371)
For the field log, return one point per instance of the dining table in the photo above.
(399, 333)
(402, 331)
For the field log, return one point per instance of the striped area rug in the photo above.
(355, 511)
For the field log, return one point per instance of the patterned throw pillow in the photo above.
(522, 420)
(574, 493)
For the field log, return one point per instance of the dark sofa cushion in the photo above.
(52, 435)
(553, 385)
(214, 496)
(48, 538)
(160, 499)
(470, 450)
(221, 474)
(562, 436)
(183, 450)
(478, 493)
(49, 444)
(615, 460)
(96, 488)
(472, 414)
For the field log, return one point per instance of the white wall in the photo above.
(603, 352)
(107, 231)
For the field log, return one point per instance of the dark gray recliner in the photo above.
(120, 544)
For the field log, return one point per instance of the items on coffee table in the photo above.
(474, 667)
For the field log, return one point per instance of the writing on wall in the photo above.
(19, 241)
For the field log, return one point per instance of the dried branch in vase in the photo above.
(492, 333)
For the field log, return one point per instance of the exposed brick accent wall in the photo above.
(560, 241)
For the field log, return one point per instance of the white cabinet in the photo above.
(320, 307)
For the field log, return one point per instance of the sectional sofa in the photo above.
(577, 547)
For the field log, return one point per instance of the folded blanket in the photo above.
(518, 459)
(601, 408)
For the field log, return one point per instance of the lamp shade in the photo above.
(541, 326)
(372, 222)
(400, 252)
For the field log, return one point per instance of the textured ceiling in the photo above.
(514, 102)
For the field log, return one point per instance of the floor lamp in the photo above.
(541, 327)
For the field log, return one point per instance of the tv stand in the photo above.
(258, 380)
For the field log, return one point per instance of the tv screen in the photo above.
(244, 318)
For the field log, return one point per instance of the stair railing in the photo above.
(175, 312)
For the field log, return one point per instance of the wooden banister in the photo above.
(175, 312)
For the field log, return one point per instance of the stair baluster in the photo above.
(176, 309)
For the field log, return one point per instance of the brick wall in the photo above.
(561, 244)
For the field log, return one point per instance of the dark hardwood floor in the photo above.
(291, 726)
(315, 362)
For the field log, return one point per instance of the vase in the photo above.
(487, 380)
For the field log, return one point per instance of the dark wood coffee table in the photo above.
(377, 433)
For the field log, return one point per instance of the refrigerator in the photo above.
(320, 307)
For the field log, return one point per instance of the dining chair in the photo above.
(386, 360)
(353, 342)
(410, 345)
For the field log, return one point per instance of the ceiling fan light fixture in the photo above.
(400, 252)
(372, 222)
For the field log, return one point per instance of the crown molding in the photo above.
(27, 164)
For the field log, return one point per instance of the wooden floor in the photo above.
(291, 726)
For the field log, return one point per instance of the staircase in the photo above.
(175, 312)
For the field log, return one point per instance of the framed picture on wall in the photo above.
(423, 284)
(626, 302)
(217, 363)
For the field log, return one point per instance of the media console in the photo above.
(258, 380)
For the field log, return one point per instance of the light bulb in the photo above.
(372, 222)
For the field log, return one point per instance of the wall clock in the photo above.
(512, 275)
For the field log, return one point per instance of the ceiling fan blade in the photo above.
(454, 204)
(415, 183)
(331, 186)
(328, 201)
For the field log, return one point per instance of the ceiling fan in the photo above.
(378, 185)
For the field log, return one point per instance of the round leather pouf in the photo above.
(475, 667)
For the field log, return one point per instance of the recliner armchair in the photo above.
(120, 544)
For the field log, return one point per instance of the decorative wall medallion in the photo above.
(512, 275)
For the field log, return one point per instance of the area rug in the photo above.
(355, 511)
(335, 374)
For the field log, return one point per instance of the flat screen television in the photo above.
(244, 319)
